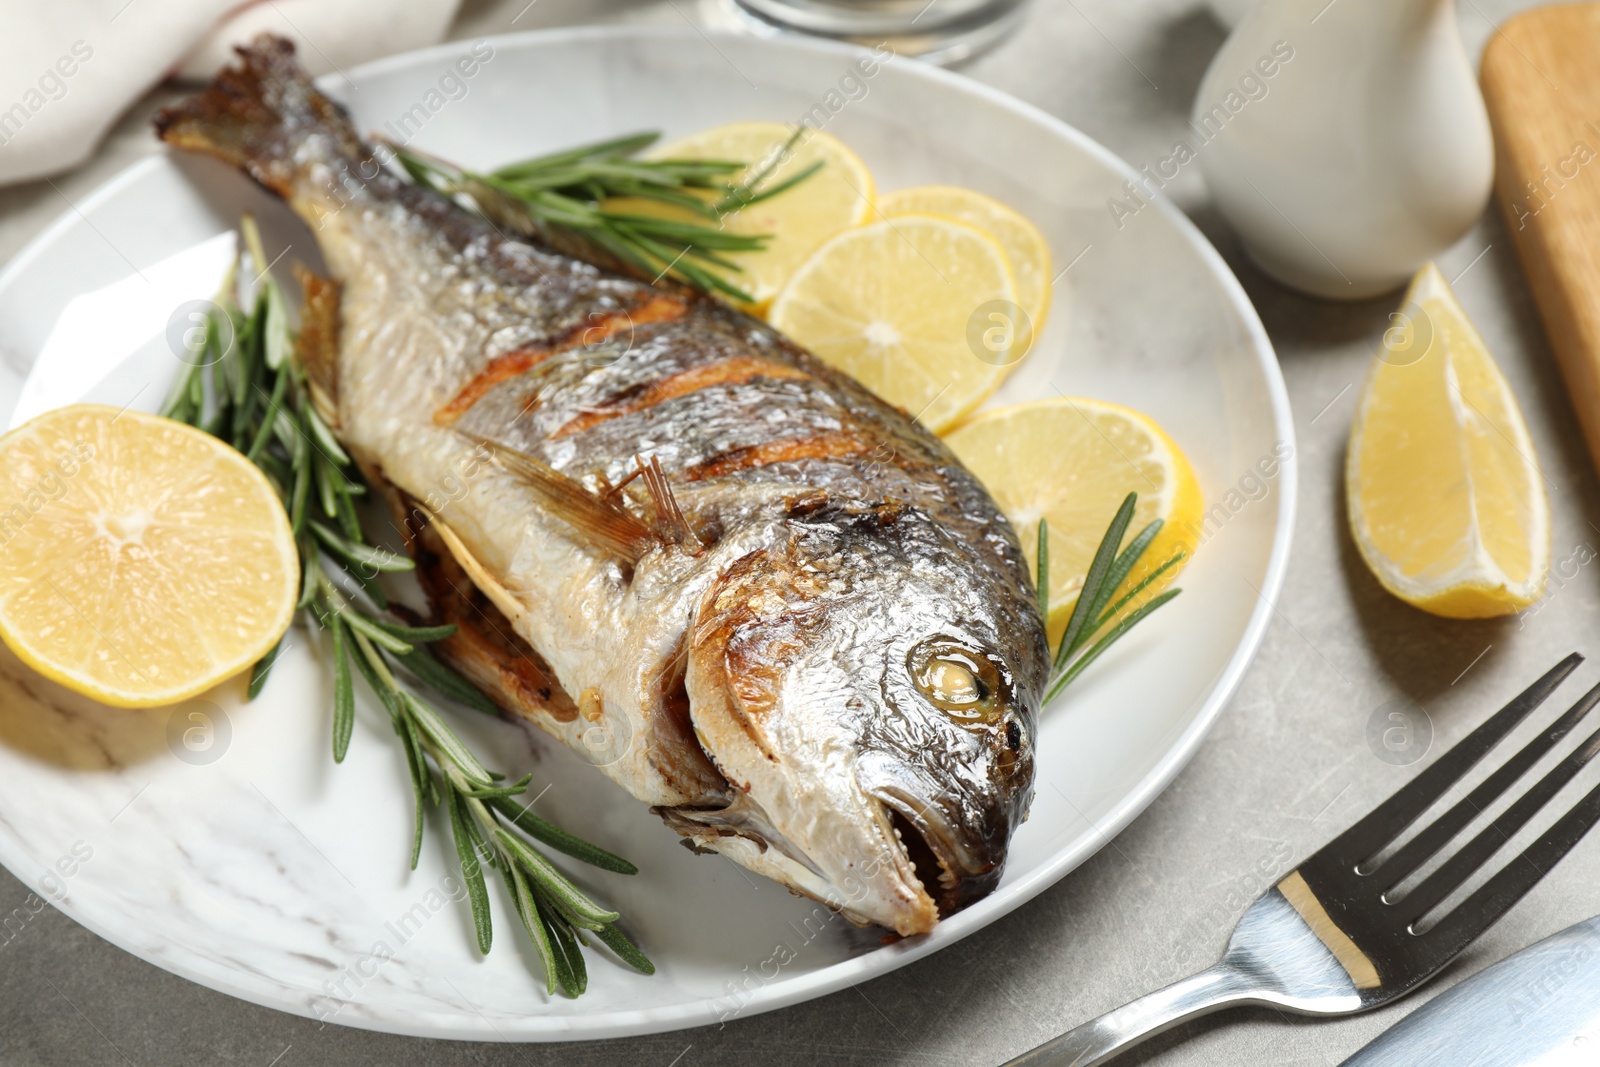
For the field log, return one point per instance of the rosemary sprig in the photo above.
(1095, 608)
(256, 396)
(570, 190)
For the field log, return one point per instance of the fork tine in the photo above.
(1496, 896)
(1441, 883)
(1385, 822)
(1421, 848)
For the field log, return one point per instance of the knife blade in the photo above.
(1539, 1007)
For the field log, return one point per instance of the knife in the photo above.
(1540, 1007)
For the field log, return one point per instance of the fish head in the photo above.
(870, 688)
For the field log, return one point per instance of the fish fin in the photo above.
(486, 649)
(318, 343)
(255, 114)
(670, 524)
(602, 522)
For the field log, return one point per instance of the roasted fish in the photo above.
(760, 599)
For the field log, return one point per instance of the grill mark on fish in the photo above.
(505, 366)
(735, 370)
(659, 307)
(841, 445)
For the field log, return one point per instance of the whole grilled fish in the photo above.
(759, 598)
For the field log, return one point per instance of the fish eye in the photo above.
(960, 681)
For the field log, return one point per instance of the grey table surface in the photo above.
(1286, 767)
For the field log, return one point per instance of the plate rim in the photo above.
(834, 977)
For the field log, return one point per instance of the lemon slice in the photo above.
(1071, 461)
(797, 220)
(1024, 245)
(904, 306)
(141, 561)
(1447, 501)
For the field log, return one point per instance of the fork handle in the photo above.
(1098, 1040)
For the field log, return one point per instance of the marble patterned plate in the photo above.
(219, 841)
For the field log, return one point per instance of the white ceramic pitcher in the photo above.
(1364, 154)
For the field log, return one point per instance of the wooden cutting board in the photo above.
(1541, 80)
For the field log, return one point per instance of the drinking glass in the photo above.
(942, 31)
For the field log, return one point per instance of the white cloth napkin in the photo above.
(69, 68)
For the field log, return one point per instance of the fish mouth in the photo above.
(950, 872)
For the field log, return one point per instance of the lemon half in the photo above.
(142, 561)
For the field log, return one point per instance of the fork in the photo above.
(1335, 936)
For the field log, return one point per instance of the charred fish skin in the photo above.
(806, 632)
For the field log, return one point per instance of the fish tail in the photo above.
(263, 115)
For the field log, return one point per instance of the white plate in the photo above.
(271, 874)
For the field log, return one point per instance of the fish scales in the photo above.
(828, 671)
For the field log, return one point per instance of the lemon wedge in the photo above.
(797, 220)
(1072, 461)
(141, 561)
(1446, 499)
(904, 307)
(1024, 245)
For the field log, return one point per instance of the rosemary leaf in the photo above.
(324, 437)
(344, 697)
(379, 559)
(1106, 642)
(287, 431)
(421, 784)
(1132, 594)
(494, 792)
(1131, 553)
(570, 973)
(553, 882)
(576, 847)
(274, 403)
(310, 570)
(1115, 576)
(745, 192)
(350, 522)
(416, 635)
(298, 496)
(528, 912)
(568, 938)
(1042, 554)
(771, 191)
(276, 338)
(327, 488)
(263, 667)
(429, 722)
(378, 674)
(471, 870)
(387, 641)
(422, 663)
(1104, 556)
(626, 950)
